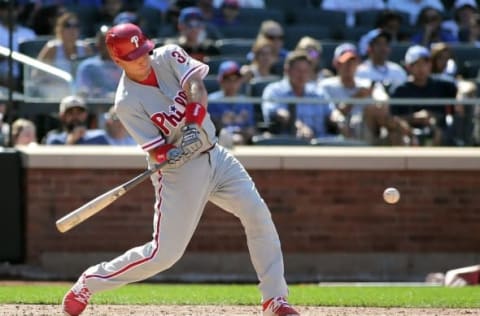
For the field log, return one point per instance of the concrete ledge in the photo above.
(271, 157)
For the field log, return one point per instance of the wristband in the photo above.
(195, 113)
(160, 153)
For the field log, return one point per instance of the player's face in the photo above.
(137, 69)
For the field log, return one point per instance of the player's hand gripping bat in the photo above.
(94, 206)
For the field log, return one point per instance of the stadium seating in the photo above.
(239, 31)
(464, 53)
(234, 46)
(211, 83)
(314, 17)
(367, 18)
(215, 61)
(469, 69)
(295, 32)
(289, 5)
(32, 47)
(252, 16)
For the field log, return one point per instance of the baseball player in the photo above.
(161, 100)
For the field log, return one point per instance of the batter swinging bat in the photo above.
(91, 208)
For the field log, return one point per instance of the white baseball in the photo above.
(391, 195)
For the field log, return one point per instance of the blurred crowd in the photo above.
(348, 62)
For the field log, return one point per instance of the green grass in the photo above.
(198, 294)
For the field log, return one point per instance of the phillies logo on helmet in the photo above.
(134, 40)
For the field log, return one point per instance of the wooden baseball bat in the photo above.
(94, 206)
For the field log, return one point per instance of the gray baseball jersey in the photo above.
(163, 107)
(154, 116)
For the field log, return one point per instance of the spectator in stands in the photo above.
(350, 7)
(192, 39)
(20, 34)
(67, 46)
(234, 121)
(24, 133)
(207, 9)
(465, 116)
(463, 11)
(127, 17)
(260, 67)
(445, 68)
(313, 48)
(304, 120)
(159, 5)
(428, 123)
(98, 76)
(63, 52)
(257, 4)
(413, 7)
(227, 14)
(388, 22)
(355, 121)
(44, 18)
(472, 34)
(377, 67)
(208, 13)
(73, 114)
(274, 32)
(108, 11)
(431, 29)
(117, 135)
(443, 64)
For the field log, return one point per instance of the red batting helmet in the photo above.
(127, 42)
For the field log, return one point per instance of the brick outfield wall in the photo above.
(315, 211)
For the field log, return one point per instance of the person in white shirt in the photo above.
(413, 7)
(363, 122)
(377, 67)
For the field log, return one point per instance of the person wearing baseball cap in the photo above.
(344, 53)
(162, 102)
(126, 42)
(427, 122)
(377, 67)
(194, 34)
(235, 121)
(351, 118)
(227, 14)
(415, 53)
(73, 114)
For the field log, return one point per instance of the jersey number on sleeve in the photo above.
(179, 56)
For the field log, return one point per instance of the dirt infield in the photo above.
(183, 310)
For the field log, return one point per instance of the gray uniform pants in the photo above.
(181, 195)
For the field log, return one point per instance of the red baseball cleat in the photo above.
(278, 306)
(76, 299)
